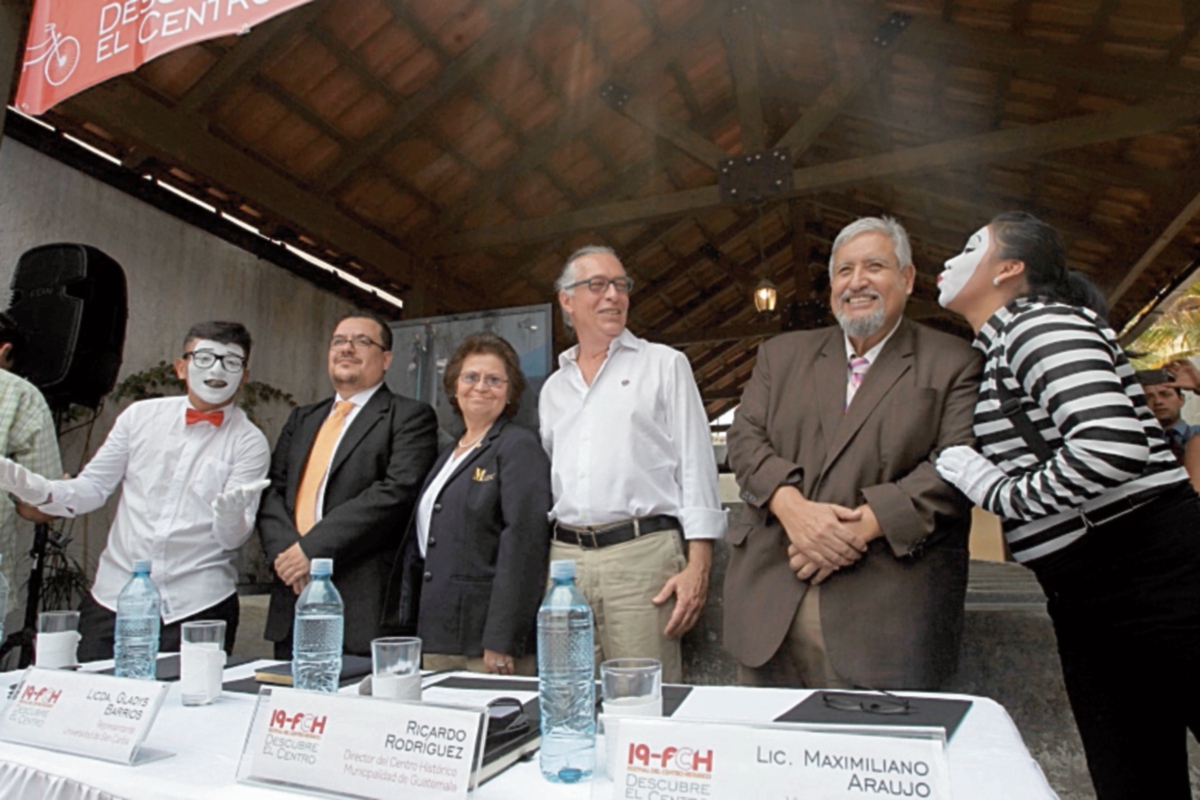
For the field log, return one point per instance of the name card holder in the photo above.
(357, 746)
(700, 760)
(85, 714)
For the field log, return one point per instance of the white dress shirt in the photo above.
(870, 356)
(635, 443)
(359, 400)
(169, 473)
(425, 505)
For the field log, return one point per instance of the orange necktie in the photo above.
(318, 464)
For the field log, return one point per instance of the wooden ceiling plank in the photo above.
(742, 51)
(673, 131)
(957, 45)
(1063, 134)
(1191, 27)
(247, 55)
(455, 76)
(640, 74)
(828, 105)
(123, 111)
(1147, 258)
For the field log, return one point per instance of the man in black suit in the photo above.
(344, 479)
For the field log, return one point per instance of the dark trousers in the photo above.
(1126, 611)
(97, 626)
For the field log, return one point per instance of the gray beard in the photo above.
(861, 327)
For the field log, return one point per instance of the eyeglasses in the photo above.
(357, 342)
(600, 285)
(882, 702)
(204, 359)
(490, 381)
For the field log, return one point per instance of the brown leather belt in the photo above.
(594, 537)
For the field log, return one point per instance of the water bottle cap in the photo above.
(321, 567)
(562, 570)
(141, 565)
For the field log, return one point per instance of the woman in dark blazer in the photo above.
(473, 563)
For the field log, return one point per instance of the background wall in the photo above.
(177, 275)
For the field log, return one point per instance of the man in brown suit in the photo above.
(849, 564)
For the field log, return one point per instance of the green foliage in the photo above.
(160, 381)
(157, 381)
(1175, 336)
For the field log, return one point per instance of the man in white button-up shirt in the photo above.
(632, 468)
(190, 471)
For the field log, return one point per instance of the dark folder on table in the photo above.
(501, 752)
(931, 712)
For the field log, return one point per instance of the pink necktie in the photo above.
(858, 371)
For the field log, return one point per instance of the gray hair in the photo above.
(888, 226)
(569, 275)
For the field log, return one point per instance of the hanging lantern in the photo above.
(766, 294)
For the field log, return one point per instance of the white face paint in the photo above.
(215, 385)
(959, 269)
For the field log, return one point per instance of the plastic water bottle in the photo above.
(3, 600)
(317, 637)
(139, 607)
(566, 691)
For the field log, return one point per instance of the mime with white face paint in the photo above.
(190, 470)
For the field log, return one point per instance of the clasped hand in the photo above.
(824, 537)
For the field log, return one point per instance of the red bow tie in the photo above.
(213, 418)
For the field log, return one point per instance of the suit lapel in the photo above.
(893, 361)
(302, 446)
(831, 385)
(364, 420)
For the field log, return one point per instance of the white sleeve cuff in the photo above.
(703, 523)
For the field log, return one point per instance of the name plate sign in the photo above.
(659, 758)
(362, 746)
(83, 713)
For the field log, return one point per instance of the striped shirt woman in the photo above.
(1072, 379)
(1093, 501)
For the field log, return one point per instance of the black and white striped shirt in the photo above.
(1065, 366)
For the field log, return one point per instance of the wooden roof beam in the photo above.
(1147, 258)
(1063, 134)
(837, 95)
(671, 130)
(582, 115)
(455, 76)
(741, 48)
(177, 137)
(247, 55)
(945, 43)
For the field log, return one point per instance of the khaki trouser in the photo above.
(802, 660)
(619, 583)
(440, 662)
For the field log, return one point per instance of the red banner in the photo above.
(75, 44)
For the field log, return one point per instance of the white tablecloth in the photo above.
(988, 760)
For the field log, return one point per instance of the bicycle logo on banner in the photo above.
(59, 54)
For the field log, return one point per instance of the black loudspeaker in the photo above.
(71, 305)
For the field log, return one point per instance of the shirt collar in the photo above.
(626, 340)
(362, 397)
(873, 353)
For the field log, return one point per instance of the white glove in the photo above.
(29, 487)
(973, 474)
(232, 504)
